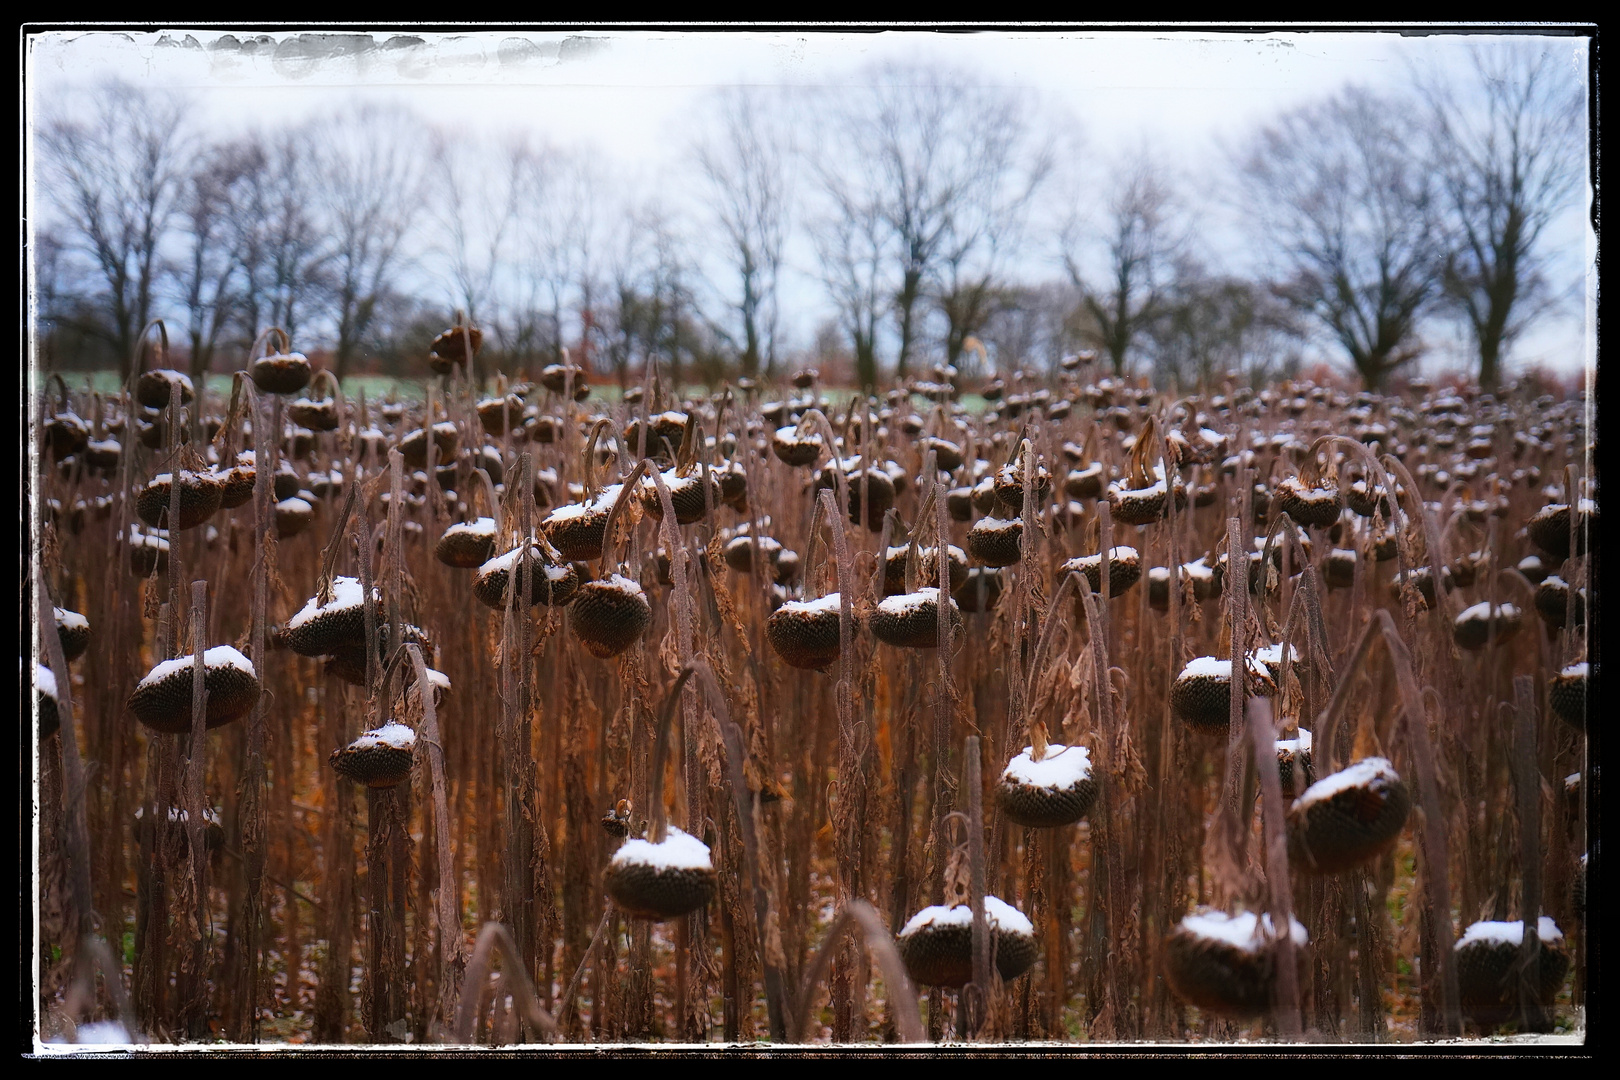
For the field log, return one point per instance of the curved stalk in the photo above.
(626, 493)
(451, 946)
(264, 339)
(660, 816)
(323, 588)
(588, 459)
(334, 393)
(1048, 631)
(491, 937)
(140, 348)
(746, 806)
(487, 486)
(225, 440)
(859, 915)
(823, 426)
(891, 517)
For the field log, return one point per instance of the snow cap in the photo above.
(679, 851)
(1243, 930)
(1063, 767)
(220, 656)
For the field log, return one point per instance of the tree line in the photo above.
(942, 219)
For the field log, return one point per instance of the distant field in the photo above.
(375, 386)
(382, 387)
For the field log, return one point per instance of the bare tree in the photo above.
(937, 154)
(372, 186)
(1140, 240)
(206, 277)
(477, 195)
(746, 169)
(1033, 326)
(50, 274)
(72, 326)
(980, 233)
(967, 287)
(669, 330)
(283, 258)
(117, 179)
(620, 326)
(1507, 154)
(967, 300)
(617, 336)
(567, 212)
(852, 245)
(1351, 215)
(598, 213)
(1209, 325)
(525, 332)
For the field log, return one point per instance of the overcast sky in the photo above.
(634, 95)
